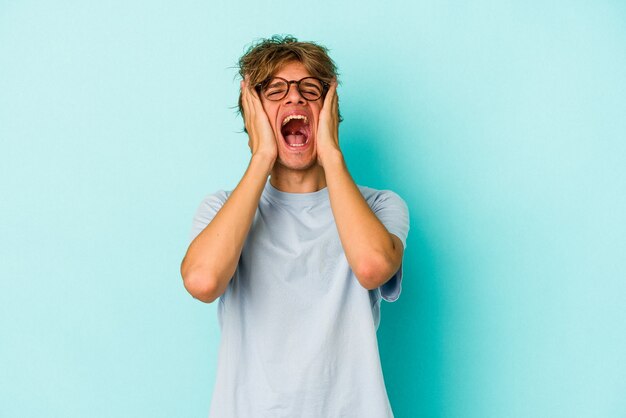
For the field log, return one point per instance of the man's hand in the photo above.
(261, 138)
(328, 127)
(373, 253)
(212, 257)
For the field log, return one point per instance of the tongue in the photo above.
(295, 132)
(297, 138)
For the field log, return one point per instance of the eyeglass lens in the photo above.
(310, 88)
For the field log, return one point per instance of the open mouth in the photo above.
(295, 130)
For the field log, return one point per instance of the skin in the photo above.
(372, 252)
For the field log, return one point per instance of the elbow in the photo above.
(201, 286)
(374, 271)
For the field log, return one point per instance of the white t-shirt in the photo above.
(298, 331)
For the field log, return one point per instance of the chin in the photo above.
(302, 165)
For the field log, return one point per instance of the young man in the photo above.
(298, 254)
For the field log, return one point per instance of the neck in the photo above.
(298, 181)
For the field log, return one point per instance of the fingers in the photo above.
(252, 90)
(330, 94)
(248, 89)
(331, 101)
(250, 99)
(247, 101)
(260, 134)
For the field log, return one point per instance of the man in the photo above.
(298, 254)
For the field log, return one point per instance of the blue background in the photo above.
(502, 124)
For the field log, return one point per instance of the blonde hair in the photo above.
(265, 57)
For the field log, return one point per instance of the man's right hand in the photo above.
(212, 257)
(261, 138)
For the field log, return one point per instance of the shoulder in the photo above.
(376, 198)
(214, 199)
(208, 208)
(390, 209)
(211, 204)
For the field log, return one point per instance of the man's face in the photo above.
(294, 121)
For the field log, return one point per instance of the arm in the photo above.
(212, 257)
(373, 253)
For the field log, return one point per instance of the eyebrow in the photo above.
(274, 84)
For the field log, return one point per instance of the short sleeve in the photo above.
(205, 213)
(393, 212)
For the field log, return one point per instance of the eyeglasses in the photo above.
(277, 88)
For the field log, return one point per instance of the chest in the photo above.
(293, 252)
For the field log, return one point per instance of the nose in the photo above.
(293, 94)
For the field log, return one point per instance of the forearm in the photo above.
(213, 255)
(371, 251)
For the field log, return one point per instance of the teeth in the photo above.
(291, 117)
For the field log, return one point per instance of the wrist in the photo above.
(263, 162)
(331, 158)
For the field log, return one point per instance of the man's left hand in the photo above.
(328, 127)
